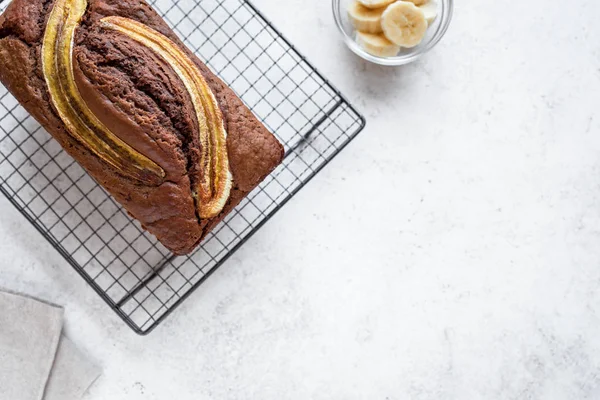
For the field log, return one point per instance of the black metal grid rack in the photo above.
(128, 268)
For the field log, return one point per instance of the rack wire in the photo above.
(138, 278)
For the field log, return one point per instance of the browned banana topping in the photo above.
(215, 185)
(80, 121)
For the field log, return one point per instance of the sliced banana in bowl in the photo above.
(392, 29)
(404, 23)
(375, 3)
(377, 44)
(418, 2)
(364, 19)
(430, 9)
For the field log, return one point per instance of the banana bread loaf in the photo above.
(120, 92)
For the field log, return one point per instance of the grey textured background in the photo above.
(451, 252)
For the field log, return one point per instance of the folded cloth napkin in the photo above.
(35, 363)
(72, 373)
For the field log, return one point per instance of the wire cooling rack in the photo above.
(127, 267)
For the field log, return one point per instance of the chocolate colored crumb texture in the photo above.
(139, 97)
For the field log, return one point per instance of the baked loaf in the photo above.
(147, 119)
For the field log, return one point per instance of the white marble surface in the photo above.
(451, 252)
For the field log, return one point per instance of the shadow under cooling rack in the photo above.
(128, 268)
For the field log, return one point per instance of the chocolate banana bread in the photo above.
(148, 120)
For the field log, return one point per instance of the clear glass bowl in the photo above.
(434, 34)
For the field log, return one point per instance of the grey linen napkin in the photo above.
(29, 335)
(72, 373)
(33, 358)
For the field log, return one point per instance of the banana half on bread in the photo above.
(146, 118)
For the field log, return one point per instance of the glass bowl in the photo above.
(434, 34)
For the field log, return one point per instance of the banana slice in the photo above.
(419, 2)
(430, 10)
(404, 24)
(376, 3)
(365, 19)
(377, 44)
